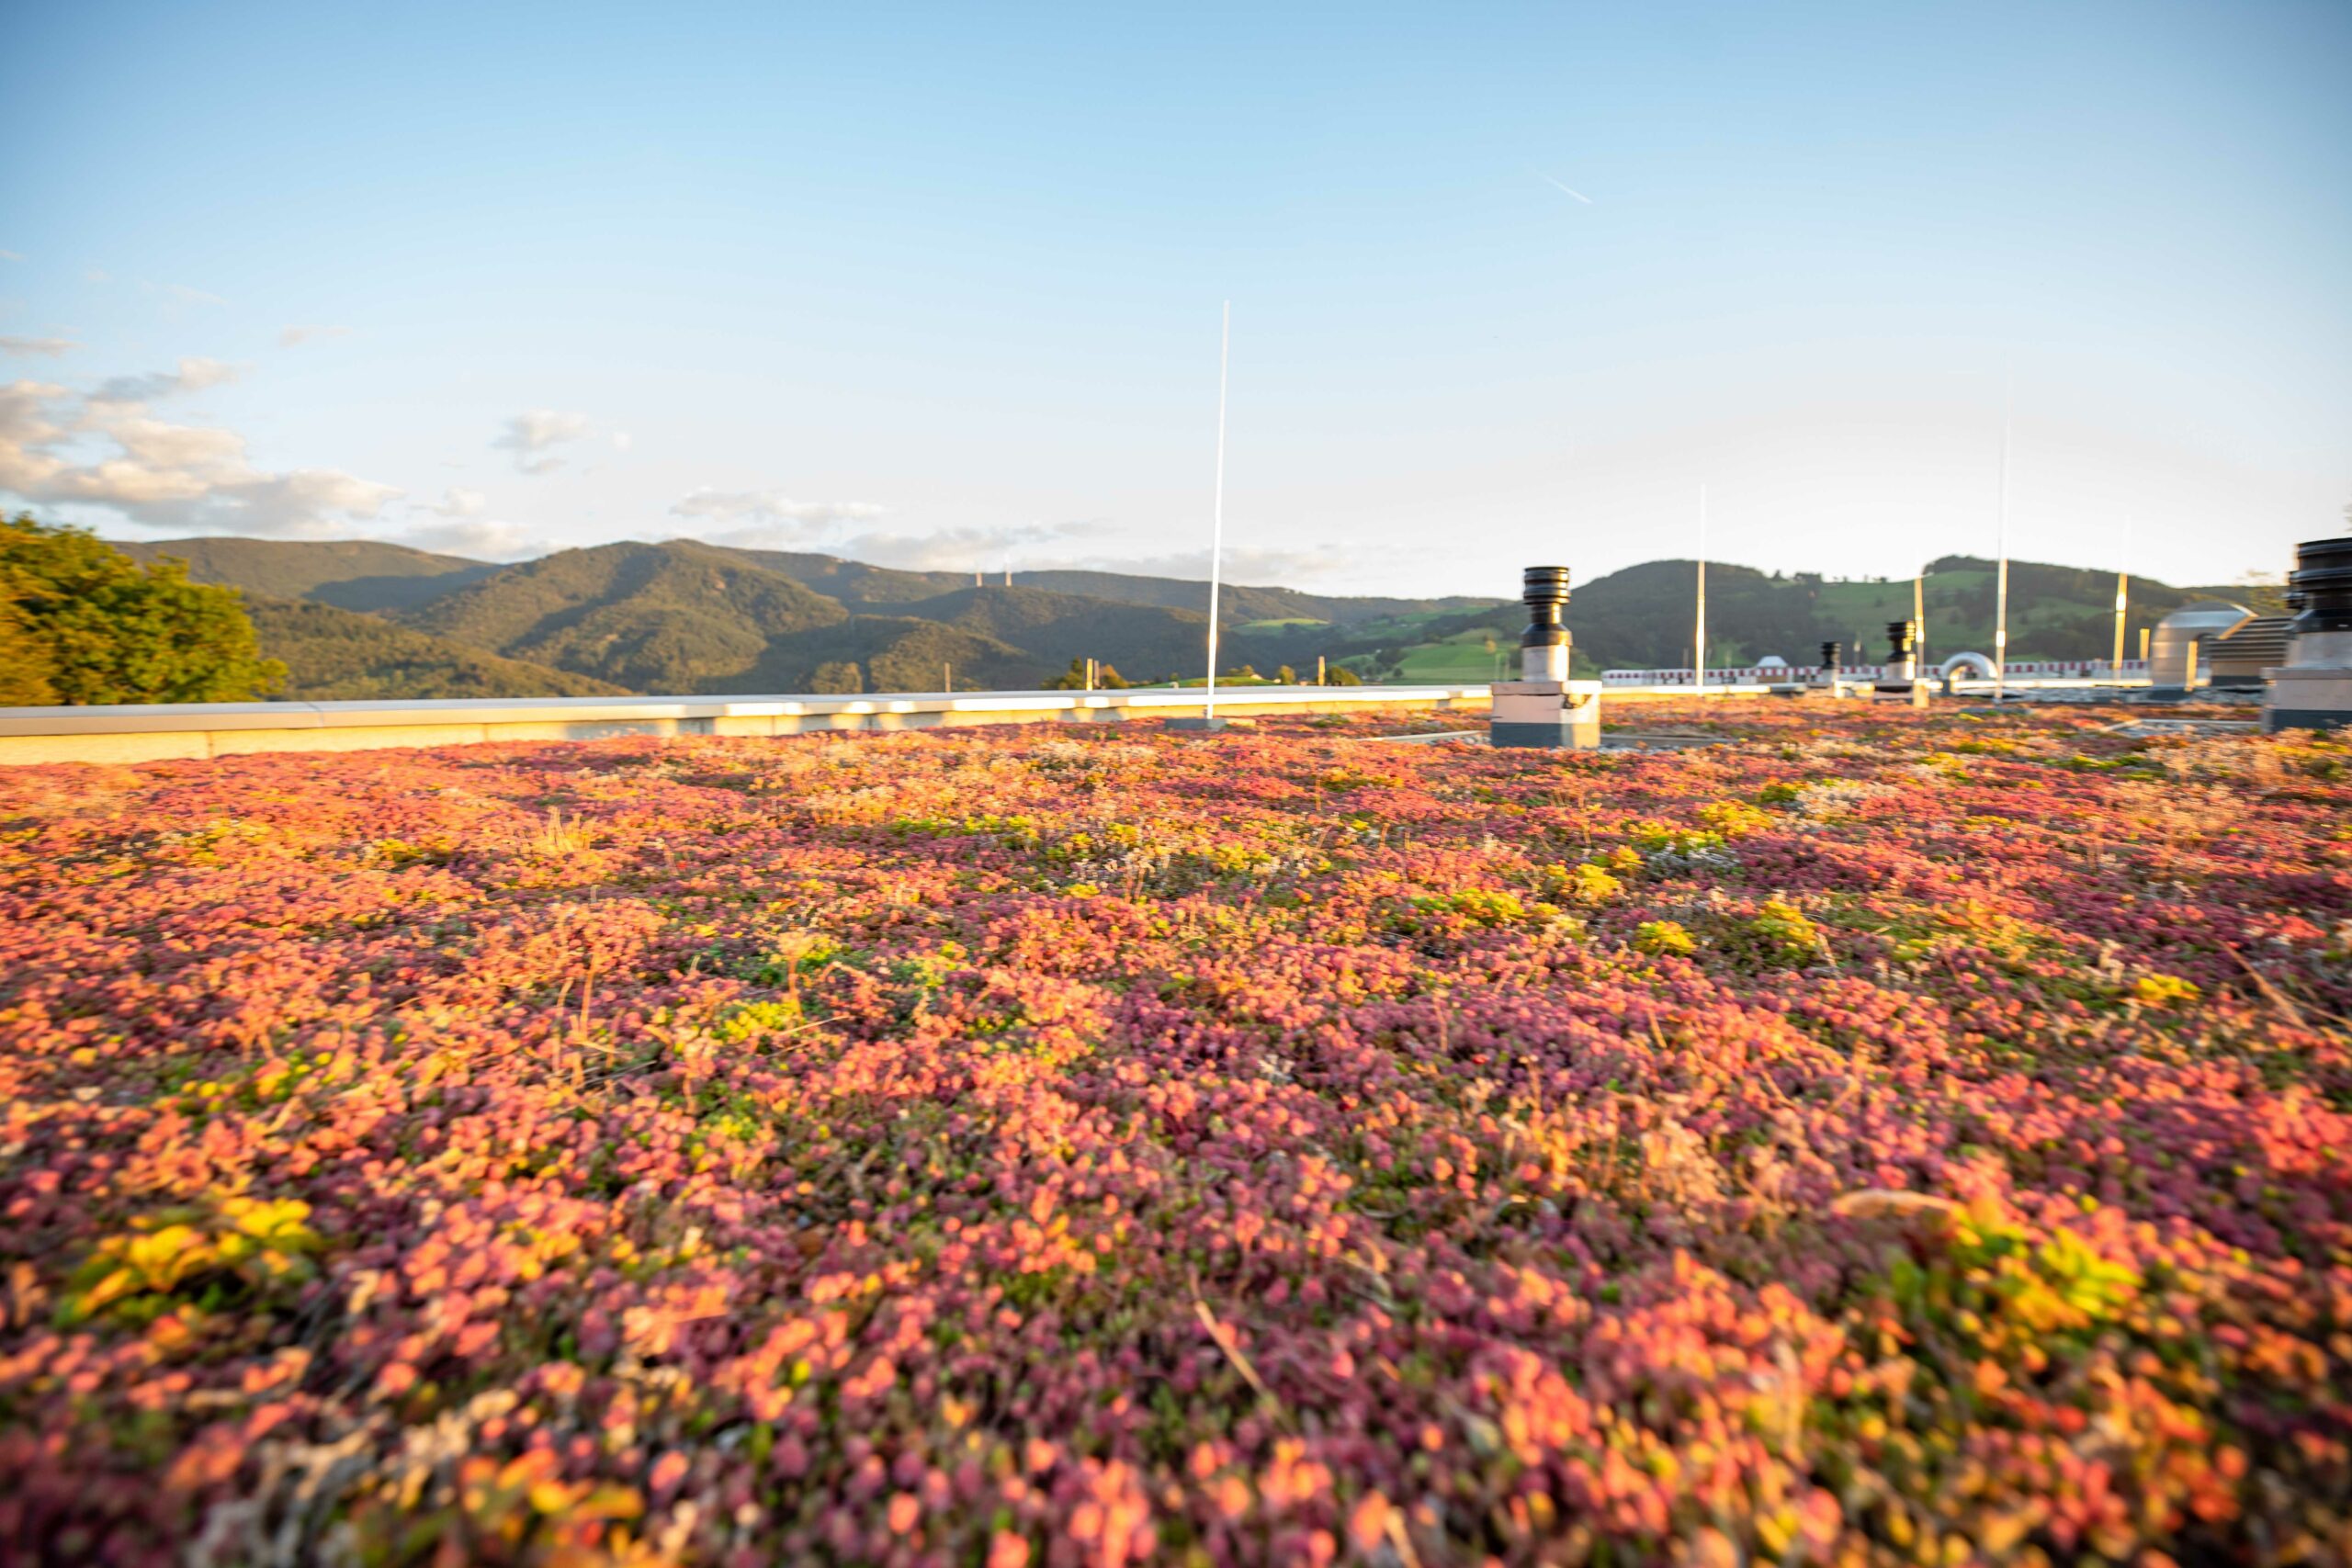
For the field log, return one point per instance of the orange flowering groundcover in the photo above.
(1881, 1138)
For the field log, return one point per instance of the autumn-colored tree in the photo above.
(838, 677)
(23, 662)
(1074, 679)
(85, 624)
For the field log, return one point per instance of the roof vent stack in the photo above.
(1544, 707)
(1833, 668)
(1899, 682)
(2314, 689)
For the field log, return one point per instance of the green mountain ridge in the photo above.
(1144, 641)
(678, 617)
(851, 583)
(891, 653)
(1238, 603)
(682, 617)
(352, 574)
(337, 655)
(1641, 617)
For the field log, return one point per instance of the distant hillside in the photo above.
(676, 617)
(890, 653)
(1142, 641)
(1238, 603)
(334, 655)
(684, 617)
(855, 583)
(887, 590)
(1640, 618)
(353, 574)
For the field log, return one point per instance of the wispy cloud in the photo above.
(293, 337)
(109, 450)
(29, 427)
(11, 255)
(181, 294)
(477, 538)
(1557, 186)
(459, 502)
(774, 520)
(25, 347)
(532, 436)
(1021, 546)
(193, 376)
(1292, 568)
(773, 508)
(458, 524)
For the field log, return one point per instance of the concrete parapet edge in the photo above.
(128, 734)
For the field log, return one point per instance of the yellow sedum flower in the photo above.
(1664, 937)
(2163, 990)
(259, 1241)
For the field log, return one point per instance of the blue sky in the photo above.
(940, 286)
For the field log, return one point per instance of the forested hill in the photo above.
(681, 617)
(1641, 617)
(351, 574)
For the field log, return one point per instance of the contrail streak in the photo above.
(1555, 183)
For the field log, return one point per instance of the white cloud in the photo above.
(774, 520)
(25, 432)
(11, 255)
(193, 376)
(1064, 546)
(477, 538)
(772, 508)
(109, 450)
(27, 347)
(181, 294)
(530, 436)
(304, 500)
(458, 524)
(291, 337)
(459, 502)
(771, 520)
(1281, 568)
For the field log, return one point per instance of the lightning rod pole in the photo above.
(2001, 582)
(1216, 525)
(1698, 637)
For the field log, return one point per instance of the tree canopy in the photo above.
(82, 623)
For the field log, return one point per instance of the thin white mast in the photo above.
(1216, 526)
(2001, 579)
(1699, 638)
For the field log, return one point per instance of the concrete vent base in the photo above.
(1551, 714)
(1562, 735)
(2311, 697)
(2276, 720)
